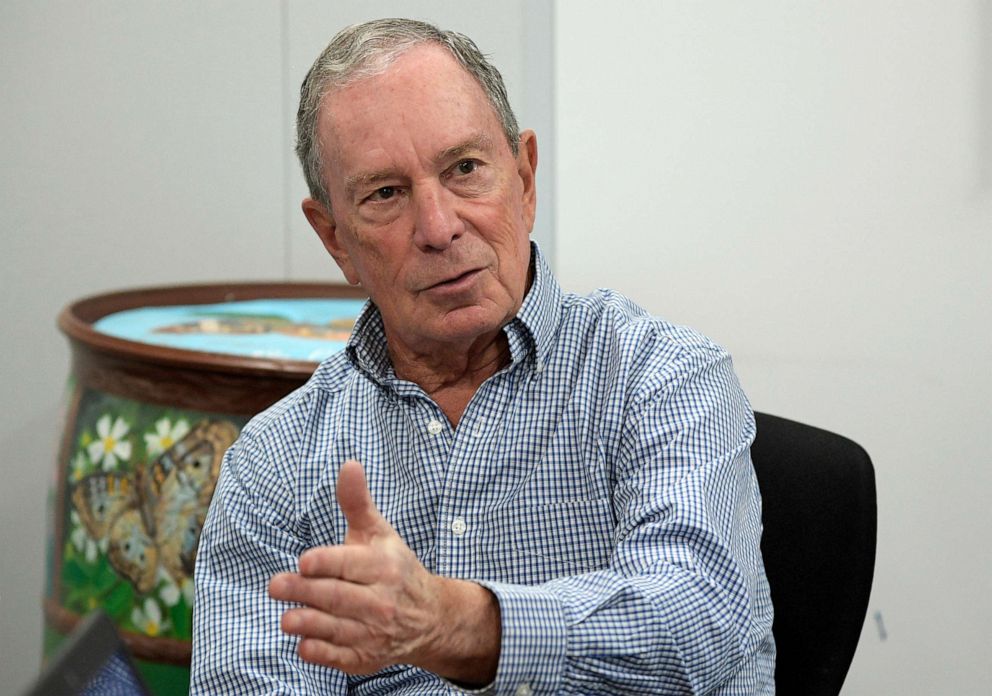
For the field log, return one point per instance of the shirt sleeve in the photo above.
(684, 605)
(238, 647)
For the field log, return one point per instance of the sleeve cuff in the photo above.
(532, 647)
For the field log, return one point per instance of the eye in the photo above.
(466, 167)
(383, 194)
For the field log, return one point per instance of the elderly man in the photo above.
(497, 487)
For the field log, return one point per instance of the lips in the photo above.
(453, 280)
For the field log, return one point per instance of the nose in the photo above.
(437, 222)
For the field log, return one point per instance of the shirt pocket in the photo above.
(560, 539)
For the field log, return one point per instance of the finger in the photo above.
(330, 641)
(335, 597)
(312, 623)
(360, 564)
(285, 587)
(345, 658)
(364, 520)
(278, 584)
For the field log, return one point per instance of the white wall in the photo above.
(811, 184)
(148, 144)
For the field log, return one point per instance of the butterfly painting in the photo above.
(151, 517)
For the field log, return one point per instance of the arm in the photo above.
(683, 606)
(248, 537)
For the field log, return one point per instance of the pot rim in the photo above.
(77, 318)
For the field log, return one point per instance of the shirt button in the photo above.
(458, 526)
(435, 426)
(524, 690)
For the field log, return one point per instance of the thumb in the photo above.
(364, 520)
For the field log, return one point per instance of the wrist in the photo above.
(466, 634)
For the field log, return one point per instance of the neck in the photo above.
(451, 375)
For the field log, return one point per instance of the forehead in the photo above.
(423, 103)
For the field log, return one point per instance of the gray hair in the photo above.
(365, 50)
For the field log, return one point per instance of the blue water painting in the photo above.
(309, 329)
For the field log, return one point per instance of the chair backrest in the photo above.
(819, 514)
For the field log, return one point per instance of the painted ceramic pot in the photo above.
(162, 381)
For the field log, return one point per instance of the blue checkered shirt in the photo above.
(600, 485)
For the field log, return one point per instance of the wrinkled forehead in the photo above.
(424, 99)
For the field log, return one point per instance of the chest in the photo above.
(518, 492)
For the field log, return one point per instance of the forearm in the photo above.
(603, 632)
(237, 644)
(682, 607)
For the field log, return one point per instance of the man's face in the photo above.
(431, 211)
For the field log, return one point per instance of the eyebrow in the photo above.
(476, 143)
(353, 183)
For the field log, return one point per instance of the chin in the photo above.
(468, 323)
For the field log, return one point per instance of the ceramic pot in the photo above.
(145, 428)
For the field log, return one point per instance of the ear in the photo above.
(527, 169)
(322, 221)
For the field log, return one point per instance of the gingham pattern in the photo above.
(601, 486)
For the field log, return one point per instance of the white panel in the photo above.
(142, 145)
(515, 35)
(808, 183)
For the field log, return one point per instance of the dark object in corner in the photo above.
(820, 524)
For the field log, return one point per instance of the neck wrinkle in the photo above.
(452, 379)
(453, 367)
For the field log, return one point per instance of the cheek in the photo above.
(379, 260)
(364, 243)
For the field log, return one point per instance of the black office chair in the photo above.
(819, 514)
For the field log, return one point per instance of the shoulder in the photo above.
(299, 421)
(635, 339)
(671, 378)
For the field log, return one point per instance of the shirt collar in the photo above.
(366, 347)
(531, 332)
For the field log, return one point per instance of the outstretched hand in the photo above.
(370, 603)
